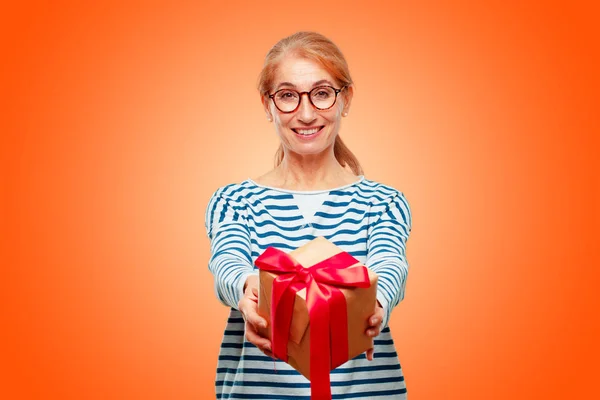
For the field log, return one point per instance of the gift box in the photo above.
(359, 305)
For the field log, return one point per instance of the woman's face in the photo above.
(306, 130)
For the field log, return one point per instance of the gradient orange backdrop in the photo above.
(119, 121)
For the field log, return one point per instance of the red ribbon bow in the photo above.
(326, 306)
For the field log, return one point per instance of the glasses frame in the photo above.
(300, 94)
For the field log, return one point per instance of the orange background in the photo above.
(118, 123)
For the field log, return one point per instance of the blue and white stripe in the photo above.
(367, 219)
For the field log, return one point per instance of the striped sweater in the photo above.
(367, 219)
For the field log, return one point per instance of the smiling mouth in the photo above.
(308, 132)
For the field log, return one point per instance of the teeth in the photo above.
(307, 132)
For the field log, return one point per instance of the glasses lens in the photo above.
(286, 100)
(323, 97)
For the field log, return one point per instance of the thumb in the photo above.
(256, 320)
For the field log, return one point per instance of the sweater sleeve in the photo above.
(230, 261)
(386, 250)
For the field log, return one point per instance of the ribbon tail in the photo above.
(320, 384)
(283, 297)
(338, 325)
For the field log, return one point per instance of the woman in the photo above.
(316, 189)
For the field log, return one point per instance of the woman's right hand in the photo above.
(248, 306)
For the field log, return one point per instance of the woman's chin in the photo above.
(307, 150)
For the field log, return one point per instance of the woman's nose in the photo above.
(306, 111)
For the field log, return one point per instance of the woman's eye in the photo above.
(322, 94)
(287, 95)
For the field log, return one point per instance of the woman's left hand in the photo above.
(374, 327)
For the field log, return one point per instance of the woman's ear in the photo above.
(348, 93)
(266, 104)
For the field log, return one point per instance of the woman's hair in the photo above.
(316, 47)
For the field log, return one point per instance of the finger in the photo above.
(370, 354)
(256, 320)
(372, 332)
(267, 353)
(241, 309)
(255, 291)
(376, 316)
(248, 310)
(257, 340)
(250, 296)
(375, 320)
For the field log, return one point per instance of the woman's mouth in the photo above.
(308, 133)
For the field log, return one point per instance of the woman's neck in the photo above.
(310, 173)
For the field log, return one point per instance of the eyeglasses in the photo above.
(321, 97)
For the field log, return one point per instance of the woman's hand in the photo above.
(248, 306)
(374, 327)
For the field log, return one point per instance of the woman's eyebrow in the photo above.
(317, 83)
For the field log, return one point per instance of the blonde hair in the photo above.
(316, 47)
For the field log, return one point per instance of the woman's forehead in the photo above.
(300, 73)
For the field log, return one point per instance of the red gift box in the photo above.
(342, 296)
